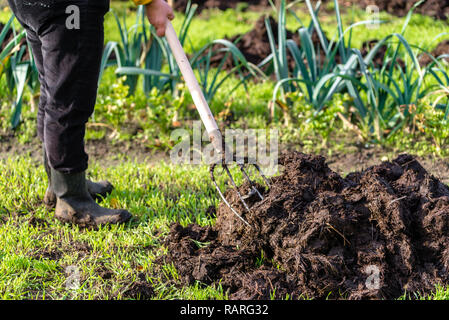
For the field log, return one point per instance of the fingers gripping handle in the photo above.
(193, 86)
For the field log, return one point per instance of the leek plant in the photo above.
(144, 53)
(317, 72)
(394, 90)
(131, 52)
(210, 79)
(18, 73)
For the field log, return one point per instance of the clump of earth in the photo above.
(379, 233)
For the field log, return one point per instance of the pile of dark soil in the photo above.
(254, 45)
(377, 233)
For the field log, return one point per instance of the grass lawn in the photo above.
(36, 250)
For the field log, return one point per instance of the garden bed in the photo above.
(435, 8)
(378, 233)
(255, 45)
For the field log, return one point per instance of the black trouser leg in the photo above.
(36, 48)
(68, 60)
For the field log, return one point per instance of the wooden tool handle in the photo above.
(193, 86)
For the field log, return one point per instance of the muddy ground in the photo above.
(442, 49)
(375, 234)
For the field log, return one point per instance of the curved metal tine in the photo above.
(251, 183)
(235, 186)
(223, 197)
(261, 173)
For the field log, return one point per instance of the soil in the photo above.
(108, 151)
(9, 37)
(180, 5)
(441, 49)
(140, 289)
(255, 45)
(325, 236)
(435, 8)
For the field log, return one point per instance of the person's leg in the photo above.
(71, 59)
(97, 190)
(36, 45)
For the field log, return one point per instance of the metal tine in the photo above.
(223, 197)
(251, 183)
(235, 186)
(262, 174)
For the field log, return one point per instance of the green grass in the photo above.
(34, 256)
(36, 250)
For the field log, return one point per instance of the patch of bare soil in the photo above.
(435, 8)
(107, 151)
(375, 234)
(180, 5)
(140, 289)
(441, 49)
(255, 45)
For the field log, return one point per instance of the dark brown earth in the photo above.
(323, 235)
(255, 45)
(441, 49)
(435, 8)
(9, 37)
(140, 289)
(180, 5)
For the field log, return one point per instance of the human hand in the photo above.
(159, 13)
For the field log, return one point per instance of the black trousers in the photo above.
(68, 56)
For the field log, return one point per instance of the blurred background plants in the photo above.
(318, 89)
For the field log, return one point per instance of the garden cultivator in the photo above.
(212, 129)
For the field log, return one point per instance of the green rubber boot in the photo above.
(75, 205)
(97, 190)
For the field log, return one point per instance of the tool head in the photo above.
(253, 190)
